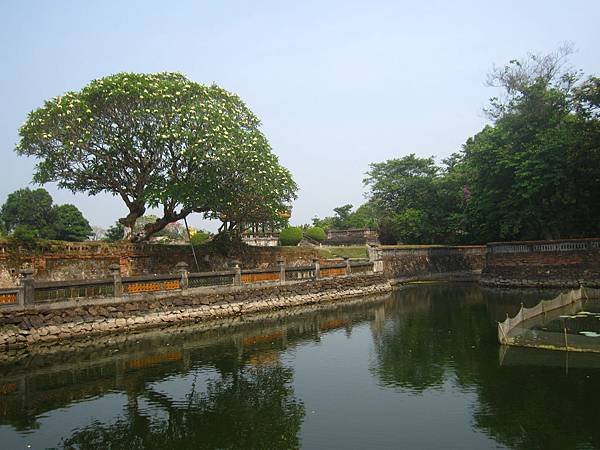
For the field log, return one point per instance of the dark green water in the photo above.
(420, 369)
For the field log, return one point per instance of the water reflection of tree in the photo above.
(435, 333)
(425, 336)
(248, 407)
(539, 407)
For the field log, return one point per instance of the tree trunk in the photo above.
(169, 216)
(136, 210)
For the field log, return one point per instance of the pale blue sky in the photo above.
(337, 84)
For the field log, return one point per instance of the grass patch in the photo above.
(352, 252)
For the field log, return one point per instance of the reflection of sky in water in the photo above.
(60, 422)
(337, 407)
(177, 387)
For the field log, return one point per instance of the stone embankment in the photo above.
(405, 263)
(67, 319)
(565, 263)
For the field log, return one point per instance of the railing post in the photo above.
(21, 296)
(27, 282)
(182, 269)
(317, 264)
(348, 268)
(115, 271)
(237, 277)
(281, 263)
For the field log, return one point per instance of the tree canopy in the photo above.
(70, 225)
(32, 213)
(533, 173)
(156, 140)
(344, 218)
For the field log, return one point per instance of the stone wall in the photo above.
(405, 263)
(561, 263)
(75, 261)
(63, 320)
(355, 236)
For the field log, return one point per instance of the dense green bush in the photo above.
(316, 233)
(290, 236)
(25, 234)
(199, 237)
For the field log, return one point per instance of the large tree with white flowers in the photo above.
(161, 141)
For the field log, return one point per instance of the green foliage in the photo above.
(413, 198)
(344, 219)
(533, 174)
(316, 233)
(32, 209)
(326, 223)
(290, 236)
(227, 243)
(199, 237)
(31, 214)
(388, 232)
(25, 234)
(115, 233)
(158, 140)
(70, 225)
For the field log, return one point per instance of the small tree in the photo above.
(316, 233)
(31, 210)
(290, 236)
(70, 225)
(115, 233)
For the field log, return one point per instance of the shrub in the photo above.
(290, 236)
(316, 233)
(25, 234)
(199, 237)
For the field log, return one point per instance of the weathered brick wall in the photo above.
(64, 261)
(563, 263)
(357, 236)
(404, 262)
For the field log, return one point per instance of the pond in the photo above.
(420, 368)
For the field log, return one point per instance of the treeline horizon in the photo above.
(533, 173)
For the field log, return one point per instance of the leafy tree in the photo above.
(535, 173)
(365, 216)
(326, 223)
(25, 234)
(340, 218)
(154, 140)
(30, 210)
(70, 225)
(290, 236)
(388, 230)
(414, 199)
(252, 187)
(316, 233)
(33, 214)
(115, 233)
